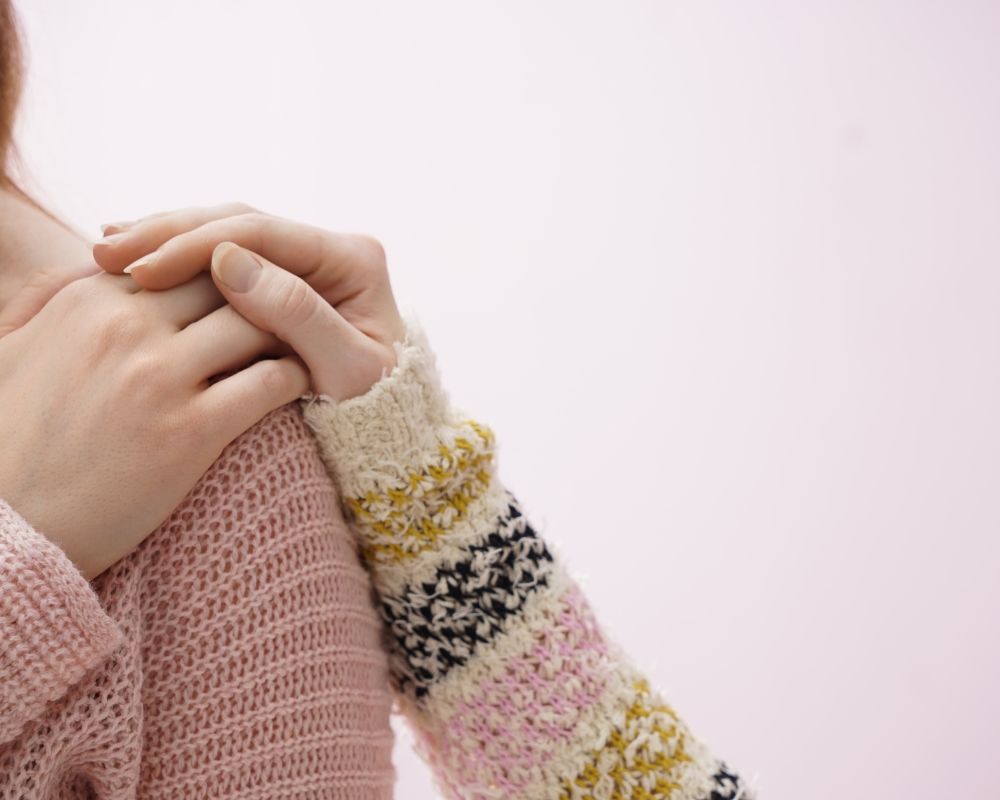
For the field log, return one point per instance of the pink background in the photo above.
(723, 276)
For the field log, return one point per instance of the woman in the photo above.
(184, 613)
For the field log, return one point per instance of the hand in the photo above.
(326, 294)
(109, 413)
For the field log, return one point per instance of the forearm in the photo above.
(501, 666)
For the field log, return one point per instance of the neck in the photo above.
(33, 242)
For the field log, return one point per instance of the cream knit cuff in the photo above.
(394, 424)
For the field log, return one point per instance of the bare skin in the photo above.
(110, 404)
(37, 257)
(326, 294)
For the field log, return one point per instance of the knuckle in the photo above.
(74, 292)
(252, 217)
(274, 378)
(239, 208)
(370, 252)
(294, 303)
(172, 424)
(144, 371)
(174, 225)
(117, 323)
(184, 432)
(254, 226)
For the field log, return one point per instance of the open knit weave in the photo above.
(235, 654)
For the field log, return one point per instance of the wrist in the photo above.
(416, 478)
(402, 414)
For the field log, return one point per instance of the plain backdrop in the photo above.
(723, 277)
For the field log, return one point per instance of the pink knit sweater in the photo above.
(235, 654)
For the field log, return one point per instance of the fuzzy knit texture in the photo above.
(237, 653)
(511, 684)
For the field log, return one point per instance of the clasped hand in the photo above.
(326, 295)
(114, 401)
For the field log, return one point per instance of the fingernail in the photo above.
(236, 267)
(145, 261)
(109, 228)
(113, 238)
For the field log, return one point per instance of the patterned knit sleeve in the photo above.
(511, 685)
(52, 626)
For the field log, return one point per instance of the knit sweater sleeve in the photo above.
(52, 626)
(510, 683)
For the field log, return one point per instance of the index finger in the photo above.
(333, 263)
(123, 243)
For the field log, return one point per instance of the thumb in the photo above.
(275, 300)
